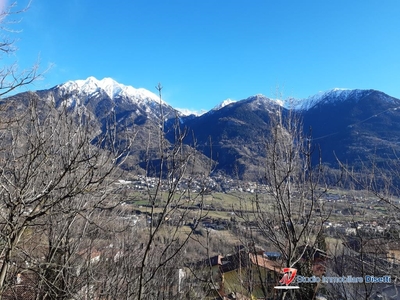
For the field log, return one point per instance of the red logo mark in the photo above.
(288, 277)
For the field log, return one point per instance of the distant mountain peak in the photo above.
(259, 100)
(332, 96)
(189, 112)
(224, 103)
(112, 88)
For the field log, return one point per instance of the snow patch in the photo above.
(224, 103)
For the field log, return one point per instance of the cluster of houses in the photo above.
(217, 183)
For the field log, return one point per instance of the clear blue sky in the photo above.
(205, 51)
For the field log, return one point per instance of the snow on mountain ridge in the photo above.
(188, 112)
(112, 88)
(331, 96)
(224, 103)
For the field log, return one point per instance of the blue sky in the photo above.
(204, 52)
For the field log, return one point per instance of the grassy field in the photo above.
(225, 205)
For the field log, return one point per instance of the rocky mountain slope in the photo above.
(350, 126)
(355, 126)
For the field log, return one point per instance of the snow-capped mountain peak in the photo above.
(332, 96)
(91, 85)
(108, 94)
(224, 103)
(189, 112)
(112, 88)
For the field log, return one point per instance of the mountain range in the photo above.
(352, 126)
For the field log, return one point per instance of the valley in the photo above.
(105, 182)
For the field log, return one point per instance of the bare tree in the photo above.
(370, 249)
(61, 231)
(290, 214)
(103, 250)
(11, 77)
(51, 176)
(176, 163)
